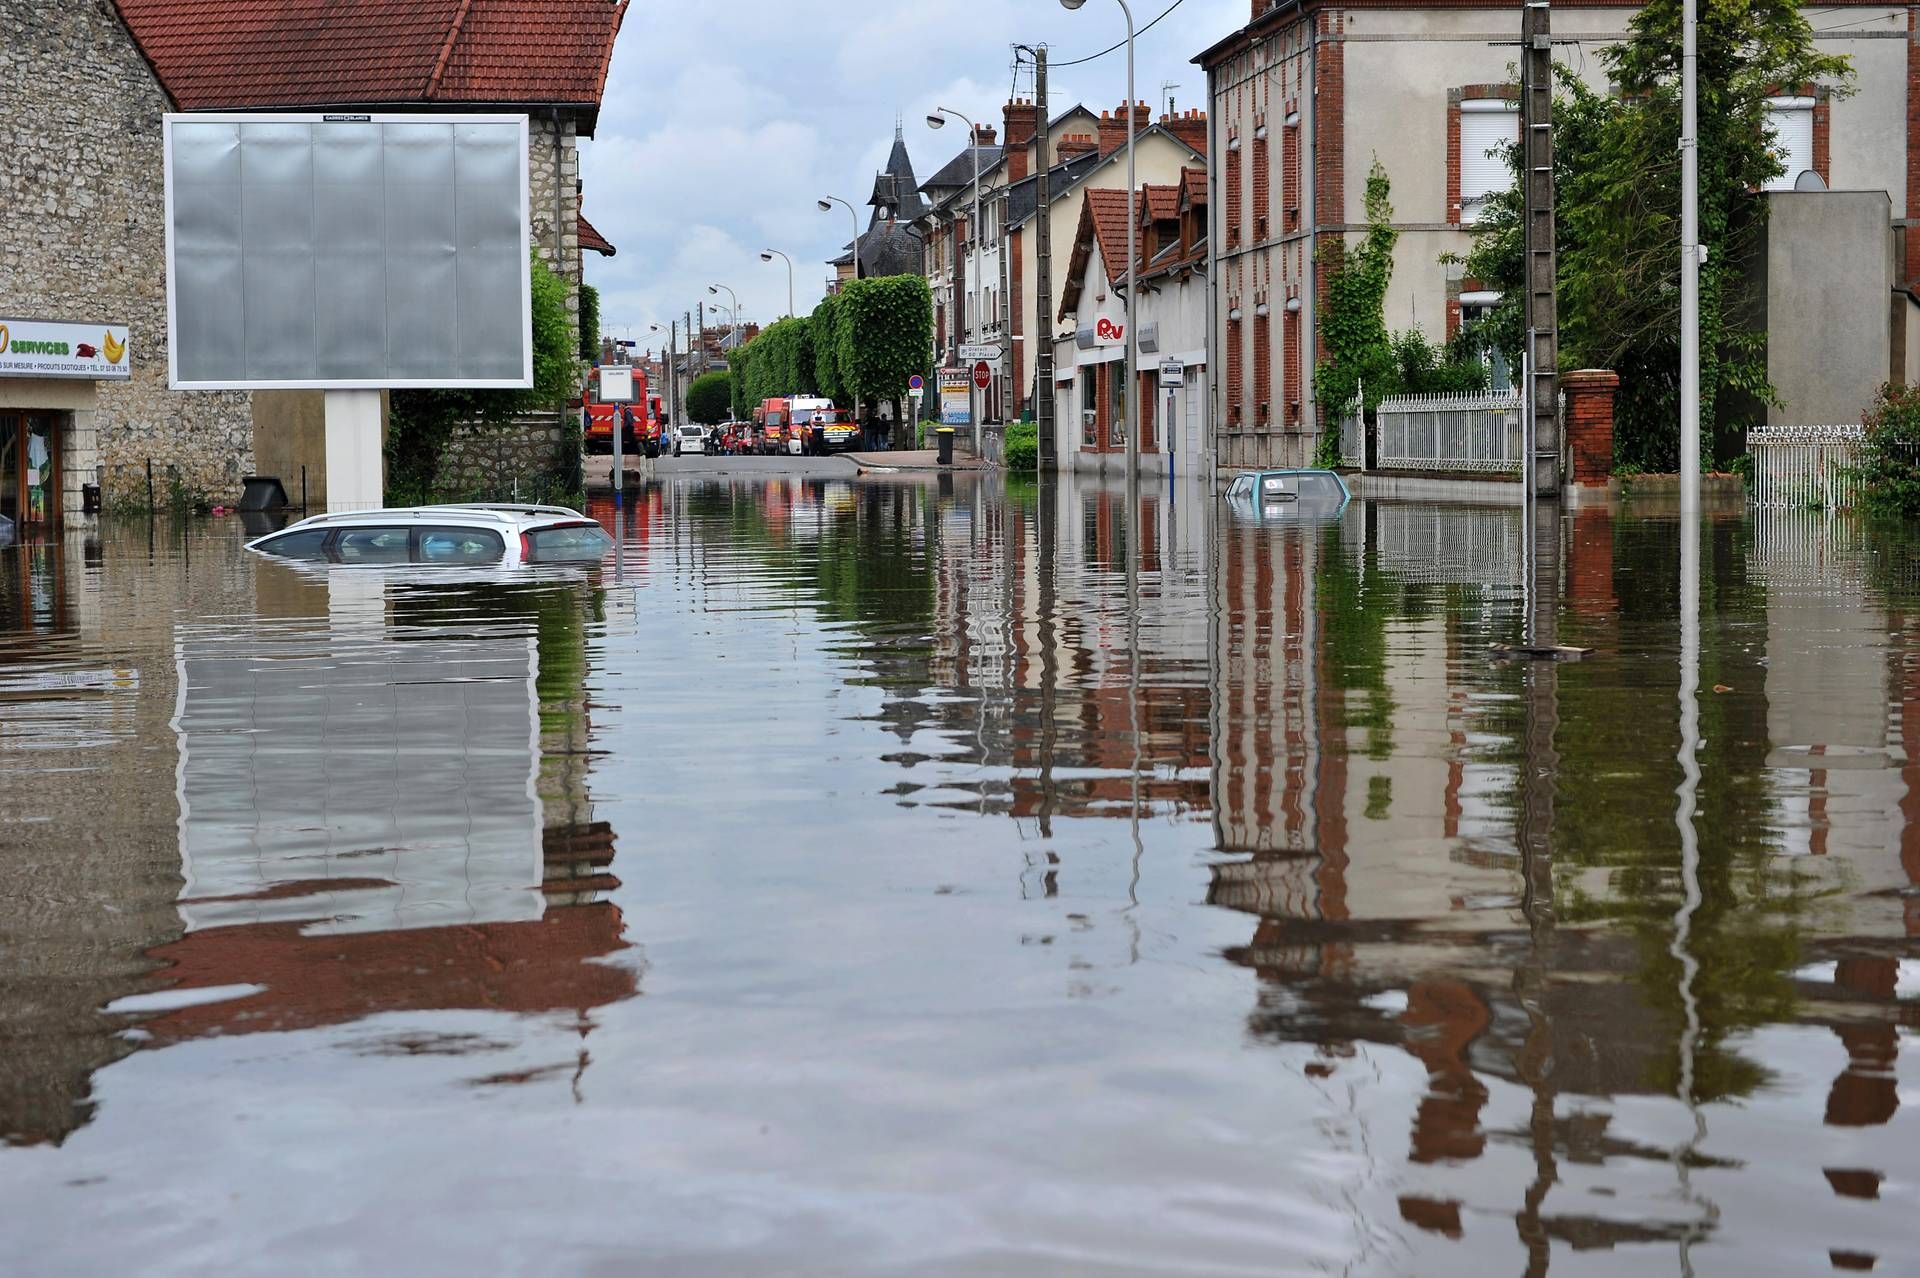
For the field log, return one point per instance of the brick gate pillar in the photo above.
(1590, 393)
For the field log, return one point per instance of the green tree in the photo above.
(589, 322)
(828, 377)
(782, 361)
(1617, 167)
(1890, 473)
(883, 329)
(708, 397)
(419, 422)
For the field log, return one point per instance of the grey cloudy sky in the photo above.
(723, 123)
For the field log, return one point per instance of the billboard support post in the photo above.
(354, 472)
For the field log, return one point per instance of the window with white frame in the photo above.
(1487, 126)
(1790, 122)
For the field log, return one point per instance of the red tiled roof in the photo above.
(1163, 202)
(309, 53)
(1193, 184)
(1109, 210)
(592, 239)
(1103, 223)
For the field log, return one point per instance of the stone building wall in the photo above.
(549, 167)
(82, 236)
(493, 463)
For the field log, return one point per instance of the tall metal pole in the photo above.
(977, 234)
(979, 251)
(1043, 391)
(1689, 262)
(767, 255)
(1133, 310)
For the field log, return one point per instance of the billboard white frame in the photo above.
(522, 382)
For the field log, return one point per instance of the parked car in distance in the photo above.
(1288, 494)
(692, 438)
(451, 536)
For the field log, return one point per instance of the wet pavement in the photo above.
(845, 879)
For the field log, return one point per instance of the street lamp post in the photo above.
(767, 255)
(734, 314)
(826, 206)
(673, 373)
(1133, 271)
(937, 118)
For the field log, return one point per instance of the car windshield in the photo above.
(568, 543)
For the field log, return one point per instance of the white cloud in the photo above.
(722, 125)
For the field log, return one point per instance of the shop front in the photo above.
(50, 372)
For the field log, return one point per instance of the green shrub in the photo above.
(709, 397)
(1023, 446)
(1890, 470)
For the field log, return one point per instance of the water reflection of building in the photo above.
(389, 812)
(1031, 626)
(96, 837)
(87, 815)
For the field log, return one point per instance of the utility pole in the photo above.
(1540, 517)
(1542, 388)
(1044, 397)
(1690, 261)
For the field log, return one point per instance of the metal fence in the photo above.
(1353, 440)
(1449, 432)
(1806, 467)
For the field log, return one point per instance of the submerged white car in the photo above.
(452, 536)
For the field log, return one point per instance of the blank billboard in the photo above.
(347, 252)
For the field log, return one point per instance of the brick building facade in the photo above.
(1437, 74)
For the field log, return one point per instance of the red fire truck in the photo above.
(648, 416)
(770, 425)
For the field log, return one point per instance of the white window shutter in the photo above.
(1791, 122)
(1485, 128)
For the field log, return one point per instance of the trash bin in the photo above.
(945, 436)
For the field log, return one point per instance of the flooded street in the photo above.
(844, 879)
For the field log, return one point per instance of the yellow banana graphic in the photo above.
(111, 349)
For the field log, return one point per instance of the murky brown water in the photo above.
(823, 888)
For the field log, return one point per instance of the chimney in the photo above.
(1021, 119)
(1072, 144)
(984, 134)
(1113, 126)
(1189, 126)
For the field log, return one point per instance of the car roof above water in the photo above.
(512, 516)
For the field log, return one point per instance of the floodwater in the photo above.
(844, 879)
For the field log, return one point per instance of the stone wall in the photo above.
(553, 160)
(82, 237)
(492, 463)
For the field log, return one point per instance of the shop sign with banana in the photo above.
(55, 348)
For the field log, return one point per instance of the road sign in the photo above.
(616, 383)
(982, 375)
(916, 383)
(1172, 373)
(978, 352)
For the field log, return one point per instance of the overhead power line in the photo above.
(1123, 44)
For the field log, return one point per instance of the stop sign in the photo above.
(982, 375)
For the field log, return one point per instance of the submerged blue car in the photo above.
(1288, 494)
